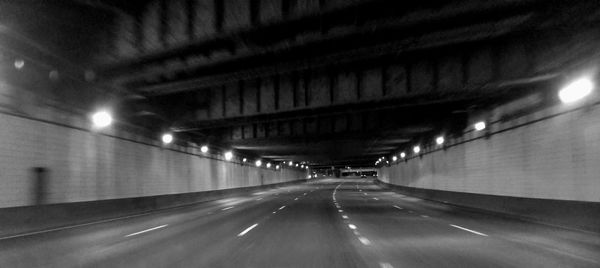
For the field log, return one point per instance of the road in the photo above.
(324, 223)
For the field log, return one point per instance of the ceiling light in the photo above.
(101, 119)
(576, 90)
(480, 125)
(204, 149)
(228, 155)
(416, 149)
(167, 138)
(439, 140)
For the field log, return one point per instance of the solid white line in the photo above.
(375, 198)
(424, 216)
(385, 265)
(282, 207)
(76, 226)
(247, 229)
(296, 198)
(364, 240)
(147, 230)
(352, 226)
(340, 211)
(398, 207)
(259, 199)
(227, 208)
(344, 216)
(468, 230)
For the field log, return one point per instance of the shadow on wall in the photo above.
(40, 176)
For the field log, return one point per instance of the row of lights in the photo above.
(19, 64)
(571, 93)
(439, 140)
(103, 118)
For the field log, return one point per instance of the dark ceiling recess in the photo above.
(331, 82)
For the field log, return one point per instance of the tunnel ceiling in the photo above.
(329, 82)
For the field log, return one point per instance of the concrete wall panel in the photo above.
(85, 166)
(216, 102)
(232, 99)
(555, 158)
(176, 22)
(237, 15)
(150, 27)
(345, 88)
(250, 99)
(204, 18)
(286, 93)
(395, 84)
(319, 90)
(371, 86)
(270, 11)
(267, 95)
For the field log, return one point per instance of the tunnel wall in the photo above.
(80, 165)
(534, 166)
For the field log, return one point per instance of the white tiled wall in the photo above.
(556, 158)
(86, 166)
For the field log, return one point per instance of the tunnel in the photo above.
(299, 133)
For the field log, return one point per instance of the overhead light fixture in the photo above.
(576, 90)
(291, 163)
(101, 119)
(277, 167)
(394, 158)
(204, 149)
(245, 160)
(402, 154)
(167, 138)
(228, 155)
(296, 164)
(19, 64)
(258, 163)
(416, 149)
(268, 165)
(439, 140)
(480, 126)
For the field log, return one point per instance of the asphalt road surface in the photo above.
(325, 223)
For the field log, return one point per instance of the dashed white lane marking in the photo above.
(365, 194)
(424, 216)
(364, 240)
(258, 199)
(282, 207)
(304, 193)
(468, 230)
(345, 217)
(147, 230)
(398, 207)
(352, 226)
(385, 265)
(340, 211)
(227, 208)
(375, 198)
(296, 198)
(247, 230)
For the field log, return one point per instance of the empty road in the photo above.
(325, 223)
